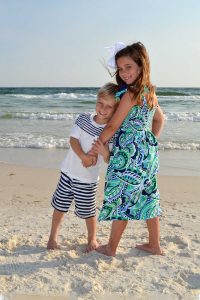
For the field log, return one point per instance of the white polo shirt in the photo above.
(86, 130)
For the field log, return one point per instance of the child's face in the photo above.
(128, 69)
(105, 107)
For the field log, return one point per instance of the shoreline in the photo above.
(26, 267)
(172, 162)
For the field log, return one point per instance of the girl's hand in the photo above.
(101, 149)
(92, 152)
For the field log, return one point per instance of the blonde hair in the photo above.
(108, 89)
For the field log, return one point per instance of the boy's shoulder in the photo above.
(85, 121)
(84, 114)
(84, 117)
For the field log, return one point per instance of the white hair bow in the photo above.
(113, 50)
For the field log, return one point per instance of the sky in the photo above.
(48, 43)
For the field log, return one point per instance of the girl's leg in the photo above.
(56, 221)
(153, 246)
(117, 230)
(91, 224)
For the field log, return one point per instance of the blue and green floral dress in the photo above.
(131, 191)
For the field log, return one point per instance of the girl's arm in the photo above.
(158, 122)
(113, 125)
(102, 149)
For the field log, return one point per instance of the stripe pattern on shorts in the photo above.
(69, 189)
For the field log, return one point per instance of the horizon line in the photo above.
(42, 87)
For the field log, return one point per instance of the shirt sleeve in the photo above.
(75, 130)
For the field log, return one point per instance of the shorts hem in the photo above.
(85, 217)
(58, 209)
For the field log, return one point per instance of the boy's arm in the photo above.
(87, 160)
(74, 143)
(158, 122)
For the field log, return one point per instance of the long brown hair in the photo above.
(138, 53)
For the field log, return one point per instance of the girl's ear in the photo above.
(139, 70)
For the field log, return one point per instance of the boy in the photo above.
(80, 170)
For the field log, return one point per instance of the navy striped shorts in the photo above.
(69, 189)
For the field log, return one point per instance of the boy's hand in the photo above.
(89, 160)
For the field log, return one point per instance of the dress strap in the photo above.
(120, 93)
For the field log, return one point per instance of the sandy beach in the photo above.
(27, 268)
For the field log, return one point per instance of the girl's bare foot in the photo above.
(105, 249)
(91, 246)
(52, 245)
(148, 248)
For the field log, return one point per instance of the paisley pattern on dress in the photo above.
(131, 191)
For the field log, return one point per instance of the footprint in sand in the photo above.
(174, 225)
(12, 269)
(109, 264)
(9, 244)
(176, 242)
(192, 279)
(194, 217)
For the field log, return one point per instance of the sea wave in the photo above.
(169, 116)
(93, 96)
(67, 96)
(48, 142)
(38, 116)
(32, 141)
(172, 93)
(183, 116)
(178, 97)
(195, 145)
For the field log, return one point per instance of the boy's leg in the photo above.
(153, 246)
(61, 201)
(118, 227)
(56, 221)
(91, 224)
(85, 208)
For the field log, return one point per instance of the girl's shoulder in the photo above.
(151, 99)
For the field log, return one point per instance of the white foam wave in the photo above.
(31, 141)
(47, 142)
(183, 116)
(180, 97)
(67, 96)
(169, 116)
(179, 146)
(39, 115)
(45, 116)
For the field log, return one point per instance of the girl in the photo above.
(131, 191)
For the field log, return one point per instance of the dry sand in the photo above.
(27, 268)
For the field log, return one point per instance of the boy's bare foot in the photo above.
(105, 249)
(91, 246)
(148, 248)
(52, 245)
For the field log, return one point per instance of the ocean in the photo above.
(40, 119)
